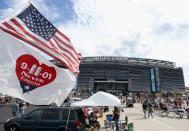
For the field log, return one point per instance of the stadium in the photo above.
(124, 75)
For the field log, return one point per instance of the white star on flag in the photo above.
(27, 87)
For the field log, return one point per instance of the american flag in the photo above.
(33, 28)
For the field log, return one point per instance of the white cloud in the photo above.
(108, 27)
(156, 29)
(12, 9)
(15, 4)
(48, 9)
(6, 12)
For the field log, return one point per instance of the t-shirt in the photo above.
(144, 105)
(116, 114)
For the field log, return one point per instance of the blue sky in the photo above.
(62, 10)
(156, 29)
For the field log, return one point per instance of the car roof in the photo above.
(59, 108)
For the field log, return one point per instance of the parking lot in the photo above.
(135, 115)
(159, 122)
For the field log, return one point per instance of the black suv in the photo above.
(48, 119)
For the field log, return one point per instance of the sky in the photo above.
(155, 29)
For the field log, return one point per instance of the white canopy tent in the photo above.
(99, 99)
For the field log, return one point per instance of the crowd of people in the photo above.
(5, 99)
(165, 105)
(149, 106)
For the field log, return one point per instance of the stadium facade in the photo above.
(126, 74)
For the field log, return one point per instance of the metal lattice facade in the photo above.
(127, 74)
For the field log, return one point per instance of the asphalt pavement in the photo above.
(159, 122)
(172, 122)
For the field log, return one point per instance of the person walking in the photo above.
(150, 109)
(116, 114)
(144, 107)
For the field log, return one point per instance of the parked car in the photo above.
(106, 108)
(129, 102)
(48, 119)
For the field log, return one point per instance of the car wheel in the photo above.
(13, 128)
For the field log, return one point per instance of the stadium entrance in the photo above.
(111, 86)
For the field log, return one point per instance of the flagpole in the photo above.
(68, 118)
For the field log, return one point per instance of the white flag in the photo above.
(27, 75)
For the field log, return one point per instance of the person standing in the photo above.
(24, 107)
(187, 101)
(93, 121)
(14, 109)
(116, 114)
(20, 108)
(85, 110)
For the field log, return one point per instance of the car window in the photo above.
(50, 115)
(65, 114)
(35, 114)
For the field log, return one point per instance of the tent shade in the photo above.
(99, 99)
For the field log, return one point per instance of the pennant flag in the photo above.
(33, 28)
(25, 74)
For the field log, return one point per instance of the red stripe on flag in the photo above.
(65, 44)
(64, 36)
(10, 27)
(52, 44)
(66, 51)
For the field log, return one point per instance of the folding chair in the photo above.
(123, 124)
(130, 127)
(109, 123)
